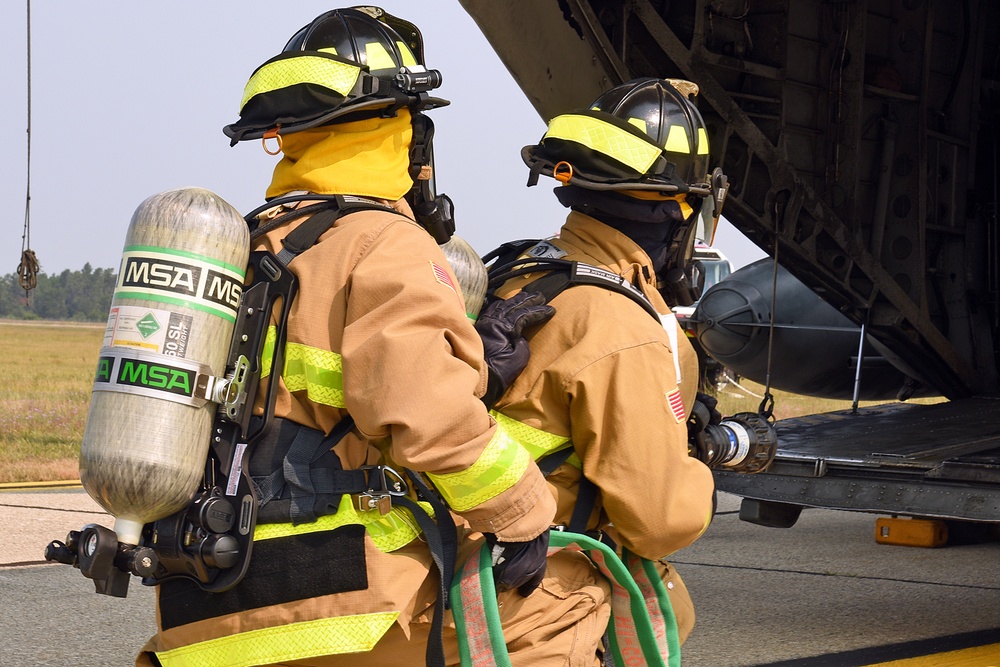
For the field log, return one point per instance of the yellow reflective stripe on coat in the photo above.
(330, 73)
(320, 373)
(539, 443)
(605, 138)
(270, 338)
(388, 531)
(497, 469)
(295, 641)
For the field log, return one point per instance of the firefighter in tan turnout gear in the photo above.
(380, 390)
(604, 401)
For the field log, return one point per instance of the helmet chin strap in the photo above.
(681, 284)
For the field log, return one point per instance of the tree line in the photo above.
(82, 296)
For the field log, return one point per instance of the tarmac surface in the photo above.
(820, 594)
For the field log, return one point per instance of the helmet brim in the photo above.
(535, 159)
(369, 108)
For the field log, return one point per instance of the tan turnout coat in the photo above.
(601, 376)
(377, 298)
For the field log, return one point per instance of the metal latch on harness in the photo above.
(383, 483)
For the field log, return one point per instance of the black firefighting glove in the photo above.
(519, 565)
(703, 413)
(501, 326)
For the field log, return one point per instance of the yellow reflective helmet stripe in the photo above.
(333, 74)
(409, 60)
(537, 442)
(677, 140)
(388, 531)
(378, 57)
(605, 138)
(500, 466)
(294, 641)
(320, 373)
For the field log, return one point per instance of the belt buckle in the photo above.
(383, 483)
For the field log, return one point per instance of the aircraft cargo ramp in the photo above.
(940, 461)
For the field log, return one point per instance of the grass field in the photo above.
(45, 383)
(49, 371)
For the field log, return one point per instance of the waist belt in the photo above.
(299, 479)
(642, 632)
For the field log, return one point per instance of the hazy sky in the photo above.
(128, 99)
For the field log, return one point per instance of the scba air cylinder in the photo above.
(167, 341)
(470, 272)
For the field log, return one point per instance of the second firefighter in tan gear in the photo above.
(605, 378)
(602, 379)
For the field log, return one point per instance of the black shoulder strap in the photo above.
(586, 500)
(508, 252)
(586, 492)
(564, 273)
(548, 463)
(307, 234)
(322, 217)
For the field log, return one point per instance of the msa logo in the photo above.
(162, 275)
(160, 377)
(105, 365)
(199, 282)
(222, 289)
(149, 374)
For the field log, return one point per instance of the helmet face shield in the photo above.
(705, 224)
(707, 221)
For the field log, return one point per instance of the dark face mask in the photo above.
(651, 224)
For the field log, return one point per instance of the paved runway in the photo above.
(821, 594)
(825, 588)
(49, 613)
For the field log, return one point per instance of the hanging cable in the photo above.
(27, 269)
(857, 369)
(767, 403)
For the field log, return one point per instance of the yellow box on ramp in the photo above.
(911, 532)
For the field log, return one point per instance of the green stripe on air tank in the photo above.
(184, 279)
(126, 293)
(241, 272)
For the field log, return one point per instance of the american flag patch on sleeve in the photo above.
(442, 276)
(676, 404)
